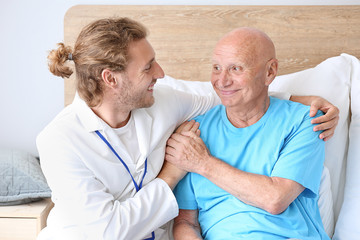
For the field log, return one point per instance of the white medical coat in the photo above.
(93, 193)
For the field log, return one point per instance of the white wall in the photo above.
(29, 95)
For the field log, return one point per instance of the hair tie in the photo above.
(70, 57)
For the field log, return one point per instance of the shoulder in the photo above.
(289, 105)
(180, 105)
(215, 112)
(169, 102)
(60, 127)
(291, 117)
(292, 110)
(166, 95)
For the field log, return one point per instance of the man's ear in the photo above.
(272, 67)
(109, 78)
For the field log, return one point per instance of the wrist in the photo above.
(168, 180)
(207, 166)
(171, 178)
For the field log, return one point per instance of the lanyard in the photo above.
(138, 187)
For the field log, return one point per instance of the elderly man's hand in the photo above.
(172, 171)
(185, 149)
(327, 122)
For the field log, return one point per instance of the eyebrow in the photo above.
(151, 61)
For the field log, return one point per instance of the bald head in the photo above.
(244, 65)
(250, 42)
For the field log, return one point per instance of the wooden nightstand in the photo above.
(24, 221)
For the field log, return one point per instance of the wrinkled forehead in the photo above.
(245, 52)
(248, 46)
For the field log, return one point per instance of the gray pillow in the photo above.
(21, 178)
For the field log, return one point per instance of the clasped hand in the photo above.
(185, 149)
(184, 153)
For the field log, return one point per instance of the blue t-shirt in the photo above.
(282, 144)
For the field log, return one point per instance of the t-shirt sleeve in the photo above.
(302, 156)
(184, 194)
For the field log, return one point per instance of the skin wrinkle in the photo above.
(235, 48)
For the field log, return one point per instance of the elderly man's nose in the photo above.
(224, 79)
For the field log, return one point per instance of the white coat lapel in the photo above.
(143, 123)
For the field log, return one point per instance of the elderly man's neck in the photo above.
(248, 114)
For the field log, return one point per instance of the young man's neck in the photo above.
(114, 117)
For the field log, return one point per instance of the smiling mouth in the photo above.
(151, 87)
(228, 92)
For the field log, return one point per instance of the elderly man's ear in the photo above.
(272, 67)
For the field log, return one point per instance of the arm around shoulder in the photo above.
(328, 122)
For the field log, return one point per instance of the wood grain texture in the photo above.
(184, 36)
(25, 221)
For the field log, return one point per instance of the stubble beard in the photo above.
(135, 100)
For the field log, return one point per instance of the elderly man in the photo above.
(257, 166)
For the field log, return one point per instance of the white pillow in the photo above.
(330, 80)
(348, 224)
(325, 202)
(196, 87)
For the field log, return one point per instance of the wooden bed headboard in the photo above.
(184, 36)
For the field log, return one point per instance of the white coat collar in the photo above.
(87, 117)
(143, 122)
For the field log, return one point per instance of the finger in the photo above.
(194, 139)
(170, 151)
(171, 142)
(323, 126)
(327, 138)
(198, 132)
(327, 125)
(326, 135)
(195, 127)
(181, 127)
(313, 110)
(190, 134)
(186, 126)
(330, 114)
(170, 158)
(180, 138)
